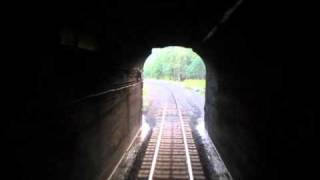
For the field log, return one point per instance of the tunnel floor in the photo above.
(173, 143)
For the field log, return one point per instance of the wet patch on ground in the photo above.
(206, 159)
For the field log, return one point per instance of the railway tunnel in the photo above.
(79, 96)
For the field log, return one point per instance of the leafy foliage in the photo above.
(174, 63)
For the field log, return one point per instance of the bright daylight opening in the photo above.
(174, 71)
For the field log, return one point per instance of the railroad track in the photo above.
(171, 151)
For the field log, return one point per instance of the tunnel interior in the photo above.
(77, 101)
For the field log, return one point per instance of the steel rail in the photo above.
(188, 159)
(156, 152)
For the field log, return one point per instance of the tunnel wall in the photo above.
(106, 125)
(69, 124)
(256, 96)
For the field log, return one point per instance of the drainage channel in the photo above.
(171, 151)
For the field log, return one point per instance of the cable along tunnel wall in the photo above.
(104, 124)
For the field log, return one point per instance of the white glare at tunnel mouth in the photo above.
(201, 127)
(144, 128)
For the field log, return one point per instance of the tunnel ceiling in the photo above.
(156, 23)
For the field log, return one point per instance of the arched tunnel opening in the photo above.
(75, 93)
(174, 81)
(183, 71)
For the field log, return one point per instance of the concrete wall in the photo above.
(106, 125)
(68, 126)
(254, 105)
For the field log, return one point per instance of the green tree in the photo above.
(175, 63)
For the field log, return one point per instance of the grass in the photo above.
(193, 84)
